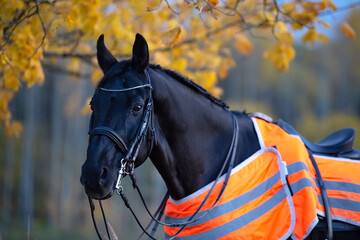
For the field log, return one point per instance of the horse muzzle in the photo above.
(98, 182)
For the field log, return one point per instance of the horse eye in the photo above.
(137, 108)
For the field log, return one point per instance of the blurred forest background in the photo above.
(40, 193)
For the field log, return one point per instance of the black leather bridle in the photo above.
(131, 152)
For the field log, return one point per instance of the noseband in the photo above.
(131, 152)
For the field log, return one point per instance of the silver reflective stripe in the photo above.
(241, 221)
(342, 204)
(337, 203)
(231, 205)
(330, 185)
(245, 219)
(345, 204)
(296, 167)
(301, 184)
(342, 186)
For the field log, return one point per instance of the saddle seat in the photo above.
(337, 144)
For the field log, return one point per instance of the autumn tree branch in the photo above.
(19, 17)
(37, 12)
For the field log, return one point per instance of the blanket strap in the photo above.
(324, 196)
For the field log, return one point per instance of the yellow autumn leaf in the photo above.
(348, 30)
(153, 4)
(96, 76)
(242, 44)
(33, 73)
(3, 58)
(216, 91)
(280, 27)
(11, 82)
(288, 7)
(179, 64)
(86, 110)
(14, 129)
(69, 22)
(171, 37)
(313, 36)
(296, 25)
(332, 5)
(5, 97)
(74, 65)
(206, 79)
(324, 24)
(280, 55)
(285, 38)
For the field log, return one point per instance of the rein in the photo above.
(128, 165)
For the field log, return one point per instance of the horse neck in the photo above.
(193, 136)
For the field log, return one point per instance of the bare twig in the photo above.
(43, 28)
(203, 20)
(276, 18)
(84, 57)
(230, 13)
(55, 68)
(168, 5)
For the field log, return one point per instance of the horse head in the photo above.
(121, 115)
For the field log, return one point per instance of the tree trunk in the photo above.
(8, 182)
(27, 175)
(56, 149)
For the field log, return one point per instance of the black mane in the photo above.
(187, 82)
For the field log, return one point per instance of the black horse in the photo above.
(141, 110)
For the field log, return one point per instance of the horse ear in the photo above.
(105, 59)
(140, 57)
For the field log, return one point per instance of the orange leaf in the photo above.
(171, 37)
(242, 44)
(223, 73)
(213, 2)
(348, 30)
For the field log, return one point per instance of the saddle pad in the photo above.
(255, 199)
(342, 181)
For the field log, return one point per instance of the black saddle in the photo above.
(342, 231)
(337, 144)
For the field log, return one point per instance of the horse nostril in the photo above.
(104, 176)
